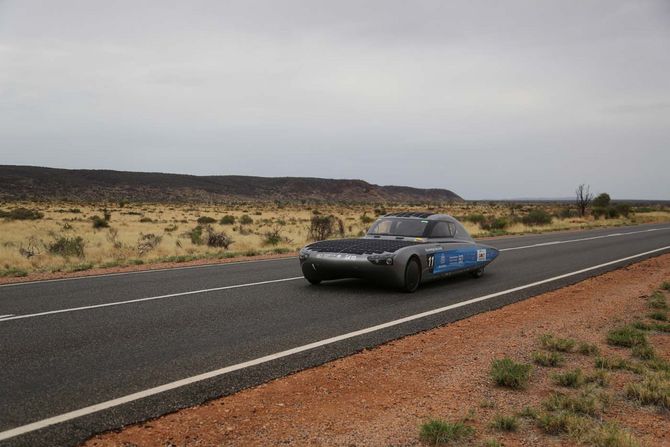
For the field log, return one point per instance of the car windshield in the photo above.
(394, 226)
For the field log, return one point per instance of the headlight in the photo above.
(381, 259)
(303, 255)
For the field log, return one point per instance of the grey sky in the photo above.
(492, 99)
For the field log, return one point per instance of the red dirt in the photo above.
(380, 397)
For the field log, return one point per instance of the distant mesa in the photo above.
(49, 184)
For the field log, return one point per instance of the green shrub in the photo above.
(528, 413)
(273, 236)
(491, 443)
(227, 220)
(205, 220)
(506, 372)
(657, 301)
(598, 212)
(67, 247)
(475, 218)
(246, 220)
(610, 435)
(552, 343)
(146, 220)
(659, 316)
(613, 363)
(622, 209)
(601, 201)
(567, 212)
(13, 272)
(658, 364)
(600, 378)
(569, 379)
(22, 214)
(438, 432)
(365, 219)
(587, 348)
(81, 267)
(661, 327)
(584, 403)
(494, 224)
(505, 423)
(626, 336)
(665, 285)
(652, 390)
(641, 325)
(549, 359)
(99, 222)
(220, 240)
(644, 352)
(563, 422)
(536, 217)
(196, 235)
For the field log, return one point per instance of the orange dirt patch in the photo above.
(380, 397)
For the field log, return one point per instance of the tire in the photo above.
(314, 281)
(477, 273)
(412, 276)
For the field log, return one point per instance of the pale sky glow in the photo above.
(490, 99)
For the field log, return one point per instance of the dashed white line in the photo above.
(278, 355)
(151, 298)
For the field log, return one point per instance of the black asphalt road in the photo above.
(55, 363)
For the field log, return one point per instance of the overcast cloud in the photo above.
(492, 99)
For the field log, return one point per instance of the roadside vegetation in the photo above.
(62, 237)
(579, 405)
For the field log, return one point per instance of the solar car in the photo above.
(402, 250)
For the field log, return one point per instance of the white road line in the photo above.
(278, 355)
(168, 269)
(151, 298)
(237, 286)
(544, 244)
(5, 316)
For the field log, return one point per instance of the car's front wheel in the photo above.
(412, 276)
(313, 281)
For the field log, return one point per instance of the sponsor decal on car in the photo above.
(451, 260)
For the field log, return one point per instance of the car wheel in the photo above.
(314, 281)
(412, 275)
(477, 273)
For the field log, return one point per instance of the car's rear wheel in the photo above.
(477, 273)
(412, 275)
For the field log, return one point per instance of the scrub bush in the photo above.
(22, 214)
(67, 246)
(627, 337)
(506, 372)
(536, 217)
(437, 432)
(227, 220)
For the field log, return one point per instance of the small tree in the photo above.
(583, 198)
(602, 201)
(321, 227)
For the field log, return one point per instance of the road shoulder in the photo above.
(381, 396)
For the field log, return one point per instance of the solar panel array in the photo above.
(359, 246)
